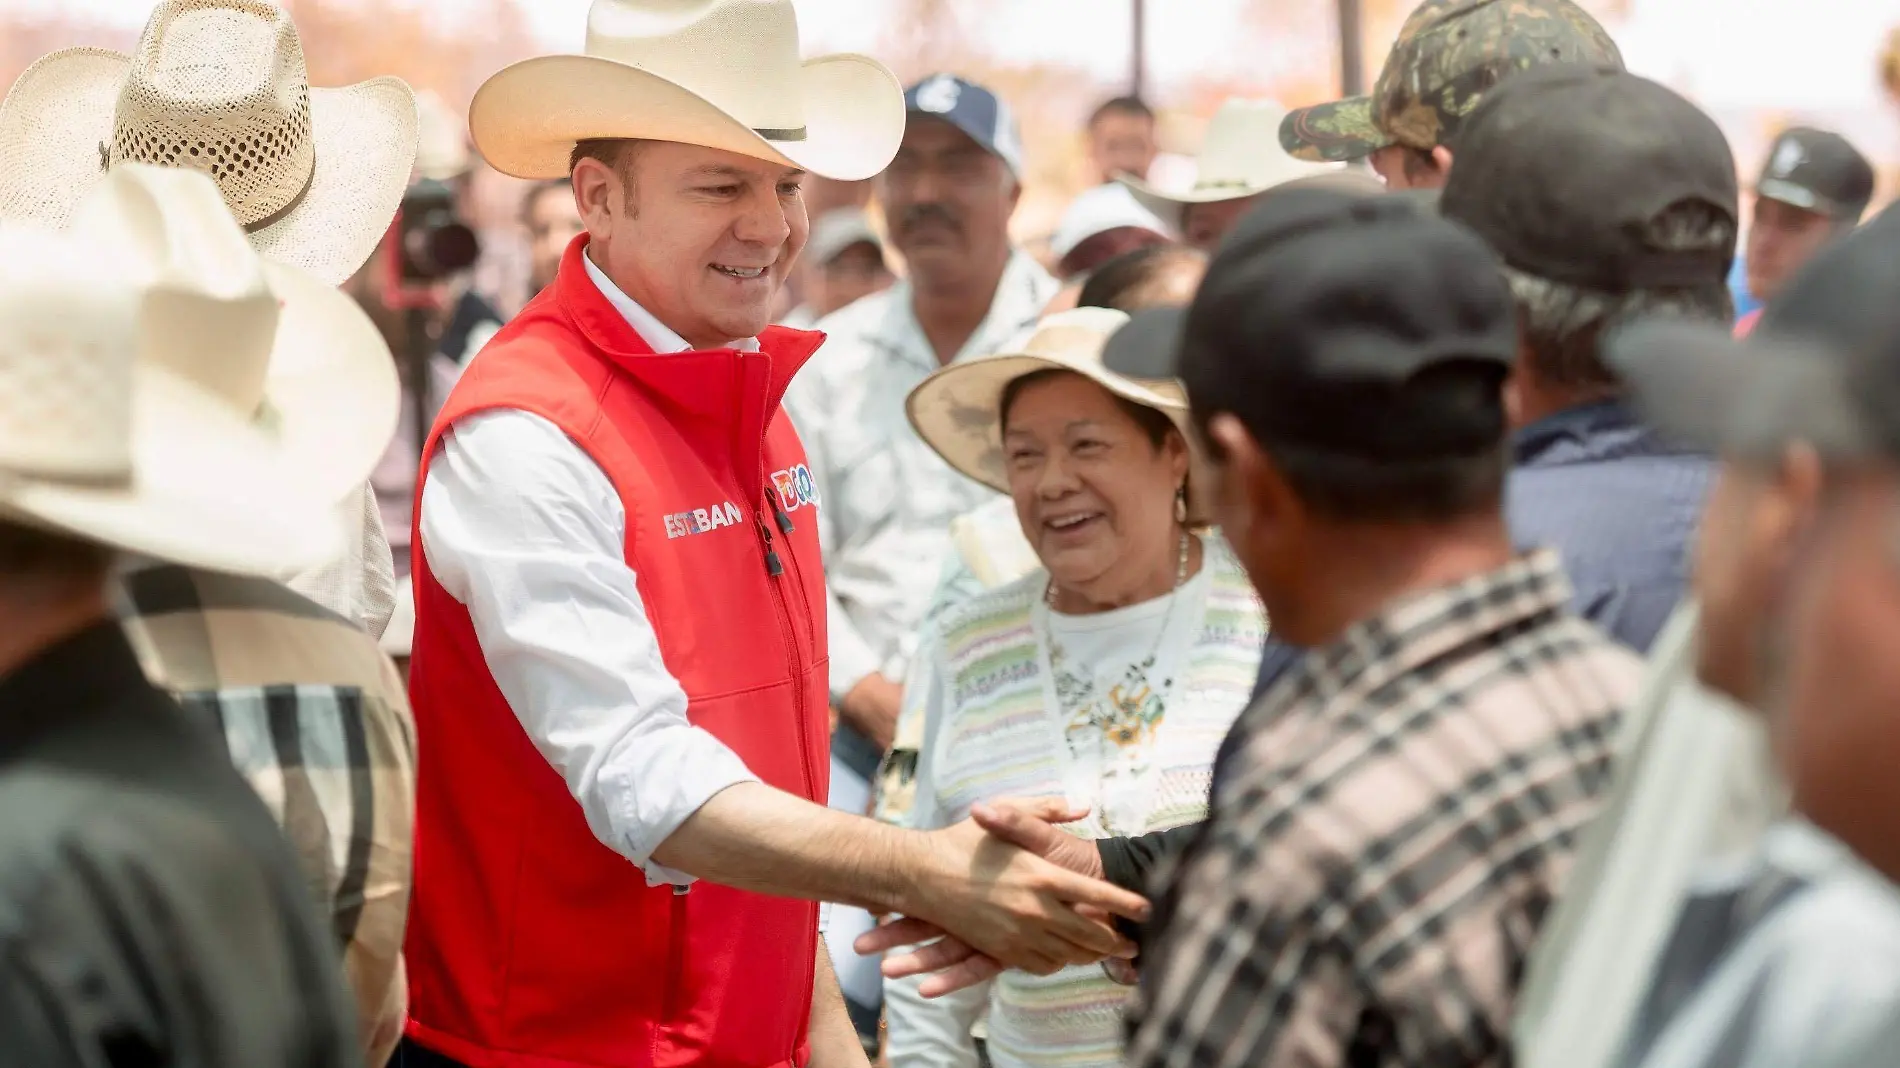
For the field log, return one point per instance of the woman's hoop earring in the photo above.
(1180, 505)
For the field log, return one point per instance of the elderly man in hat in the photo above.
(280, 196)
(151, 911)
(620, 667)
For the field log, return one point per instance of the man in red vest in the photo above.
(619, 668)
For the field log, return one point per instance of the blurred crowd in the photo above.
(1417, 593)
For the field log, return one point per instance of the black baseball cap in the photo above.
(1562, 168)
(1822, 365)
(1817, 171)
(1317, 312)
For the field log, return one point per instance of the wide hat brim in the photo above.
(62, 109)
(957, 411)
(526, 119)
(209, 491)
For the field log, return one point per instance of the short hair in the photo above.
(540, 189)
(1153, 422)
(615, 153)
(1563, 325)
(28, 550)
(1121, 105)
(1129, 282)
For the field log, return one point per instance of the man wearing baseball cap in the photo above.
(1801, 412)
(1607, 197)
(1448, 55)
(888, 499)
(843, 263)
(1325, 917)
(619, 665)
(1814, 185)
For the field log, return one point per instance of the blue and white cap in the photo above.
(973, 109)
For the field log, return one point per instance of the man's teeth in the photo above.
(739, 272)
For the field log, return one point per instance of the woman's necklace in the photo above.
(1119, 724)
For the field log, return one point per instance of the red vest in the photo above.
(531, 944)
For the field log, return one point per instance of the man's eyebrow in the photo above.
(718, 170)
(731, 173)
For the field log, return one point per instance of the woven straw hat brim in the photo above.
(210, 491)
(957, 411)
(527, 118)
(62, 108)
(331, 386)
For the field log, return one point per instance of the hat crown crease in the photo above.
(698, 44)
(221, 86)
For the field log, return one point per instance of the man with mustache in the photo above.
(888, 499)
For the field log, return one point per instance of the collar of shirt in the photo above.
(661, 337)
(89, 669)
(1429, 625)
(1589, 433)
(1021, 294)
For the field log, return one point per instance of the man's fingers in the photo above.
(976, 970)
(934, 957)
(1082, 890)
(1026, 824)
(904, 932)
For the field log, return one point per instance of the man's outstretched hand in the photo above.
(1009, 903)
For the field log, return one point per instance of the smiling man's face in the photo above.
(699, 237)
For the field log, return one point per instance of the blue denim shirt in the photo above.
(1617, 502)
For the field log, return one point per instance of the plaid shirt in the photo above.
(315, 717)
(1387, 836)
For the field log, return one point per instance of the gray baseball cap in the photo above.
(1822, 366)
(837, 230)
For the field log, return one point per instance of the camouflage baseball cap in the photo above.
(1448, 53)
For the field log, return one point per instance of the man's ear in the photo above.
(1441, 158)
(1247, 477)
(597, 195)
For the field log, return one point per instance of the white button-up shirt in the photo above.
(525, 530)
(889, 499)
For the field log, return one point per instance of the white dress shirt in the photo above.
(523, 529)
(889, 499)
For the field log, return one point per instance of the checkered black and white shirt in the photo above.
(315, 717)
(1390, 828)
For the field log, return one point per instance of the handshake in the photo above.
(1008, 911)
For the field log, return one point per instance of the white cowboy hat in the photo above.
(716, 73)
(98, 445)
(296, 355)
(957, 411)
(314, 175)
(1240, 157)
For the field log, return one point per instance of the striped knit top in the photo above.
(999, 729)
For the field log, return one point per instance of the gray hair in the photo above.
(1562, 324)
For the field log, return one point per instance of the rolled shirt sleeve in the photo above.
(523, 529)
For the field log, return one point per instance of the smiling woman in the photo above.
(1108, 676)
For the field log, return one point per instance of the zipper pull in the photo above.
(784, 521)
(773, 566)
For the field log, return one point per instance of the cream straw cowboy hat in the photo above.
(1240, 157)
(296, 355)
(716, 73)
(957, 411)
(314, 175)
(96, 445)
